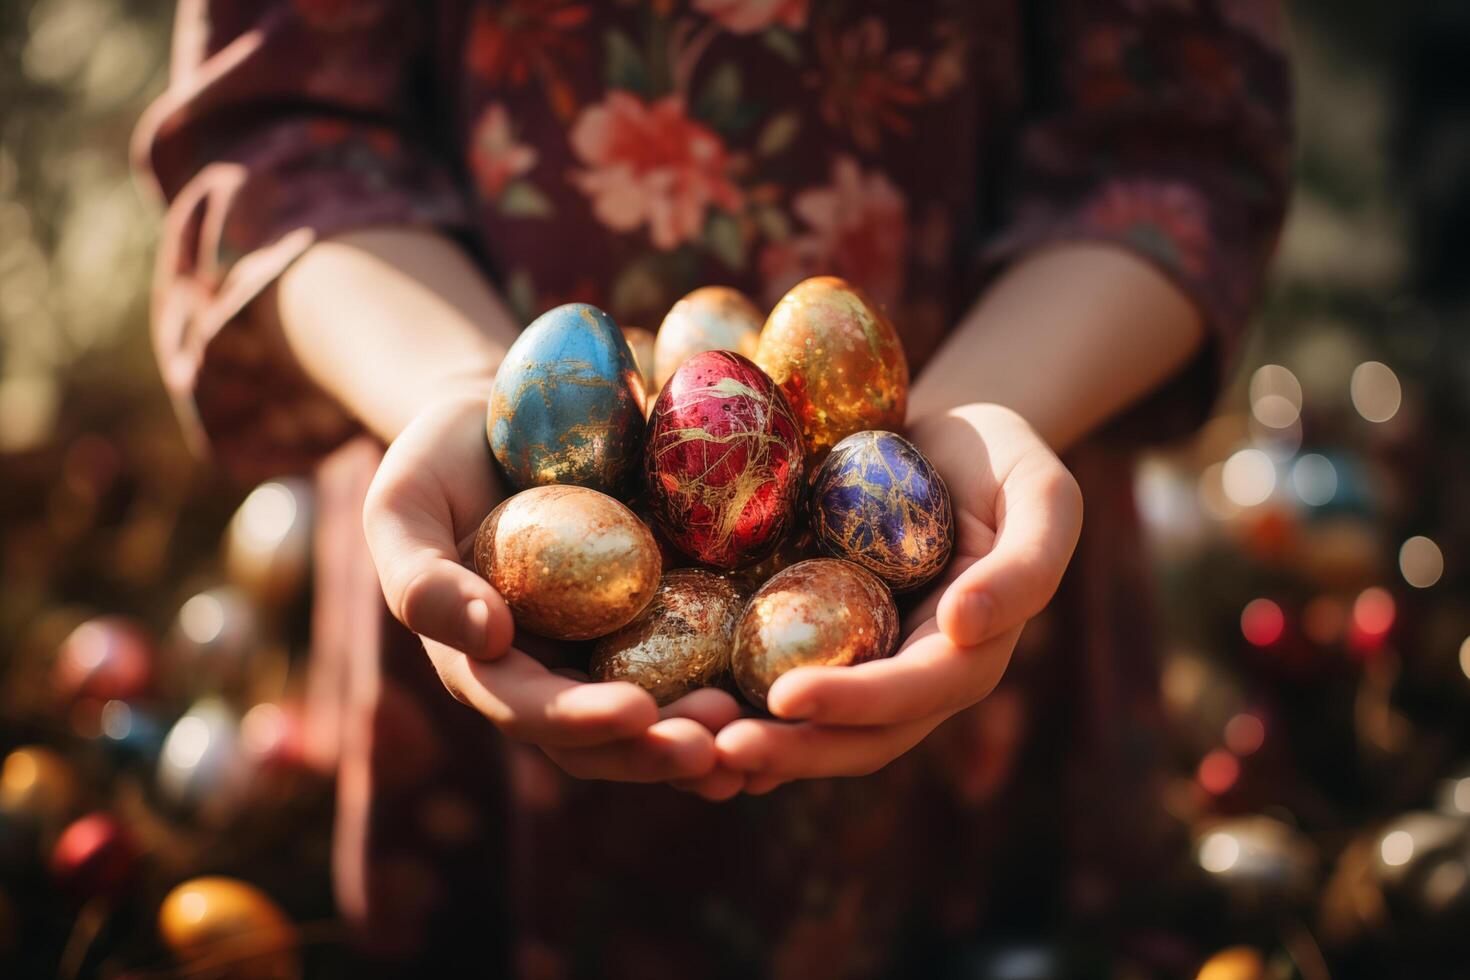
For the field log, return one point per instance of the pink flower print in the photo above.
(749, 16)
(496, 157)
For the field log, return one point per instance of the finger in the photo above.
(1039, 515)
(410, 533)
(761, 785)
(807, 751)
(531, 704)
(718, 786)
(675, 748)
(929, 676)
(712, 708)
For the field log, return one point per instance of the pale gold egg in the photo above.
(572, 563)
(821, 612)
(680, 642)
(227, 928)
(710, 318)
(838, 360)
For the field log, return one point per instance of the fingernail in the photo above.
(477, 627)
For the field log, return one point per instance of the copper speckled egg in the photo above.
(710, 318)
(878, 502)
(680, 642)
(724, 463)
(822, 612)
(838, 360)
(571, 563)
(640, 342)
(229, 928)
(568, 403)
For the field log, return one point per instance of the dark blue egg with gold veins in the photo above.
(568, 403)
(878, 502)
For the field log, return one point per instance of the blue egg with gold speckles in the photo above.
(568, 403)
(878, 502)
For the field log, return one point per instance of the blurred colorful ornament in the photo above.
(267, 545)
(214, 643)
(876, 501)
(724, 463)
(36, 783)
(106, 657)
(226, 928)
(837, 359)
(1235, 963)
(640, 342)
(568, 403)
(571, 563)
(680, 642)
(817, 612)
(710, 318)
(95, 857)
(130, 732)
(1262, 622)
(200, 766)
(1258, 861)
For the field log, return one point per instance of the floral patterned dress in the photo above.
(622, 153)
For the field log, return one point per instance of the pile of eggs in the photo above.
(757, 516)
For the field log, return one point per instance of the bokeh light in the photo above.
(1218, 772)
(1248, 477)
(1465, 657)
(1275, 396)
(1375, 391)
(1421, 562)
(1262, 622)
(1397, 848)
(1218, 852)
(202, 618)
(1212, 497)
(1245, 734)
(1323, 619)
(1314, 479)
(1373, 613)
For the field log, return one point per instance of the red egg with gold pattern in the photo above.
(725, 462)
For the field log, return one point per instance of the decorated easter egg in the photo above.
(38, 784)
(640, 342)
(724, 464)
(877, 502)
(837, 359)
(568, 403)
(817, 612)
(267, 545)
(679, 642)
(106, 657)
(710, 318)
(571, 563)
(230, 929)
(215, 645)
(94, 857)
(200, 766)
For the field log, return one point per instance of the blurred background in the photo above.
(1311, 547)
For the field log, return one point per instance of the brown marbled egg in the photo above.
(571, 563)
(838, 360)
(680, 642)
(227, 928)
(710, 318)
(640, 341)
(821, 612)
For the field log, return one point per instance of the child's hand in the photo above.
(1018, 513)
(434, 487)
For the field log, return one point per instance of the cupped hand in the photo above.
(1018, 514)
(434, 487)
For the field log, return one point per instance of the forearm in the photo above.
(1066, 338)
(389, 320)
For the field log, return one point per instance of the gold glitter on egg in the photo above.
(572, 563)
(822, 612)
(837, 359)
(680, 642)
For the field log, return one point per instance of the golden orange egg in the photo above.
(710, 318)
(222, 927)
(572, 563)
(838, 360)
(1235, 963)
(821, 612)
(640, 341)
(680, 642)
(39, 784)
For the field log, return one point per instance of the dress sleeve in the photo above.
(284, 122)
(1164, 127)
